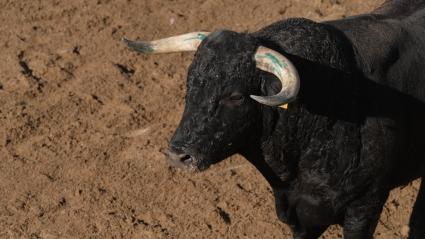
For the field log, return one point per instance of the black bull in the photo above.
(355, 131)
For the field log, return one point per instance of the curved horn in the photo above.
(185, 42)
(275, 63)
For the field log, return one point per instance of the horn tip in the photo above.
(260, 99)
(139, 46)
(270, 100)
(124, 39)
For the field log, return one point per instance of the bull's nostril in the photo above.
(180, 159)
(185, 158)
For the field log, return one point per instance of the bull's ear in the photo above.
(185, 42)
(270, 84)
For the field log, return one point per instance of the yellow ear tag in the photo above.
(285, 106)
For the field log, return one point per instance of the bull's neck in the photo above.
(256, 158)
(255, 154)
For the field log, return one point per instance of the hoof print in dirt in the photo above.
(125, 70)
(224, 215)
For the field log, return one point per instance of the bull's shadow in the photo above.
(353, 95)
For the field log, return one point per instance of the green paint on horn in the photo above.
(139, 46)
(275, 60)
(199, 36)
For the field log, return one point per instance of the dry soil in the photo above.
(84, 124)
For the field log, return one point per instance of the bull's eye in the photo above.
(234, 99)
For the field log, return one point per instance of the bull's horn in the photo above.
(275, 63)
(185, 42)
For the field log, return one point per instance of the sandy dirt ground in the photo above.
(84, 124)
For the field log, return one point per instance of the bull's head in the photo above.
(222, 109)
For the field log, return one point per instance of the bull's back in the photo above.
(400, 9)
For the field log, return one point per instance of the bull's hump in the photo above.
(400, 8)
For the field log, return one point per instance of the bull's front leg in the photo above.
(309, 233)
(362, 216)
(288, 216)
